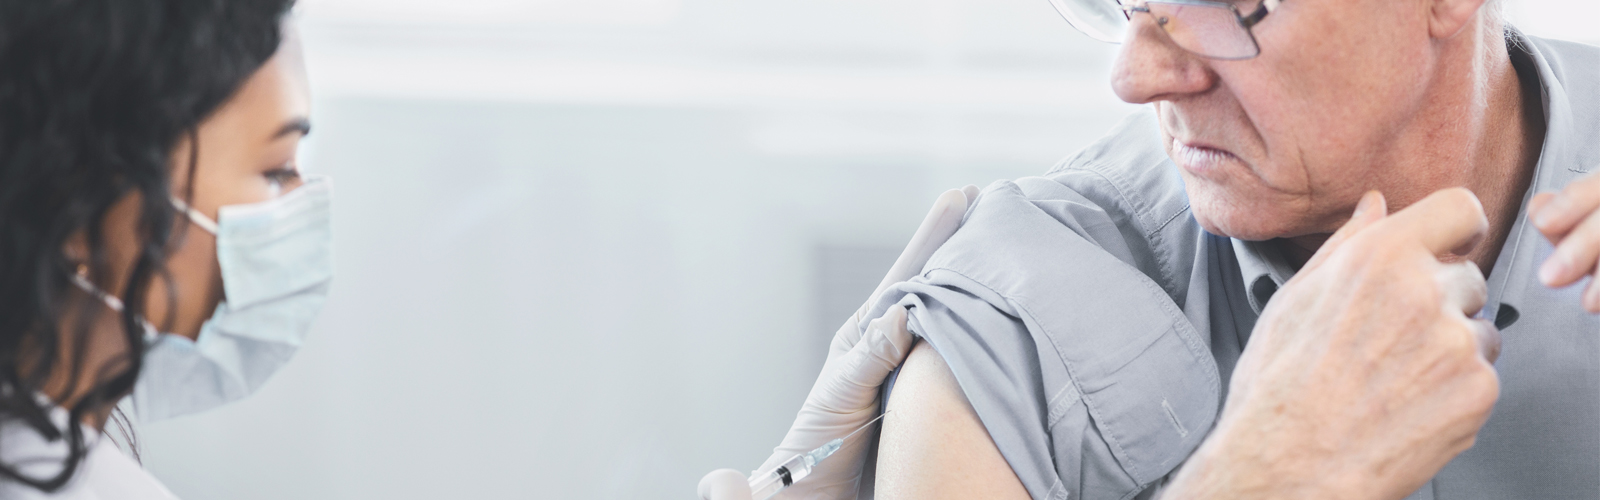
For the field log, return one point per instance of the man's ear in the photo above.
(1448, 17)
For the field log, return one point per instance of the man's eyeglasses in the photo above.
(1209, 29)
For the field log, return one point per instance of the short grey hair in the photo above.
(1494, 9)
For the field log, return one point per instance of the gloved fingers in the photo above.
(819, 486)
(848, 335)
(724, 484)
(941, 222)
(845, 394)
(893, 330)
(816, 426)
(886, 344)
(851, 383)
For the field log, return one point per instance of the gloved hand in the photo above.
(845, 395)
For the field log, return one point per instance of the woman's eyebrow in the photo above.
(299, 124)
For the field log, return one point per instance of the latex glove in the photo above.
(845, 395)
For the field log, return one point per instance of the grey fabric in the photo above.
(1093, 325)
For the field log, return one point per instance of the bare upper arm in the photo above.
(933, 446)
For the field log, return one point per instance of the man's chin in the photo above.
(1246, 211)
(1239, 224)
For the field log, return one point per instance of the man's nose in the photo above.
(1150, 67)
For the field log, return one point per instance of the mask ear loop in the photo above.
(81, 279)
(199, 219)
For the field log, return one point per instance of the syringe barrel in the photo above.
(764, 485)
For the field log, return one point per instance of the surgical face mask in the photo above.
(277, 263)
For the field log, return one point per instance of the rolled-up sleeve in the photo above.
(1085, 373)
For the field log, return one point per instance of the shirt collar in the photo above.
(1561, 160)
(1265, 269)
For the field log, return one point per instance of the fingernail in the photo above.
(1364, 205)
(1554, 268)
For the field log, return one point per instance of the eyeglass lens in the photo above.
(1102, 20)
(1209, 29)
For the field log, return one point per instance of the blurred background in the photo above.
(593, 249)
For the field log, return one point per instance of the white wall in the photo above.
(595, 249)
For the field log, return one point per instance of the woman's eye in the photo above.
(280, 177)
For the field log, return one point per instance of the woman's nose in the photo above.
(1150, 67)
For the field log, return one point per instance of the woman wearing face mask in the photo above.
(156, 236)
(158, 242)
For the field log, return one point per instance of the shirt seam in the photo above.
(1140, 210)
(1177, 324)
(1072, 375)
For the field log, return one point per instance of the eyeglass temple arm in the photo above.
(1267, 6)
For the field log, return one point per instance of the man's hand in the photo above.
(845, 395)
(1367, 372)
(1571, 220)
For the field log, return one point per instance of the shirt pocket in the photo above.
(1131, 426)
(1132, 388)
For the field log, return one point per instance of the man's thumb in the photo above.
(1371, 209)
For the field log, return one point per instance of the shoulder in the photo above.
(1570, 75)
(105, 472)
(1566, 58)
(934, 445)
(1128, 172)
(1572, 71)
(1030, 309)
(1121, 194)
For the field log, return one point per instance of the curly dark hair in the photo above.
(95, 95)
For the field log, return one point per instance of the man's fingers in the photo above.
(1559, 213)
(1488, 338)
(1466, 291)
(1575, 256)
(724, 484)
(1463, 287)
(1538, 202)
(1449, 221)
(1371, 209)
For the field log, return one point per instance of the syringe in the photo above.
(763, 485)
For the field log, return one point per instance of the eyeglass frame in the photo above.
(1247, 22)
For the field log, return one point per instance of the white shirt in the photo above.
(105, 474)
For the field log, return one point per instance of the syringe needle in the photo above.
(764, 485)
(863, 427)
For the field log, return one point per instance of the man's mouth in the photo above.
(1199, 158)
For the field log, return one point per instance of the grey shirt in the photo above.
(1094, 325)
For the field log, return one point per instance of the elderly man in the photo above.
(1327, 182)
